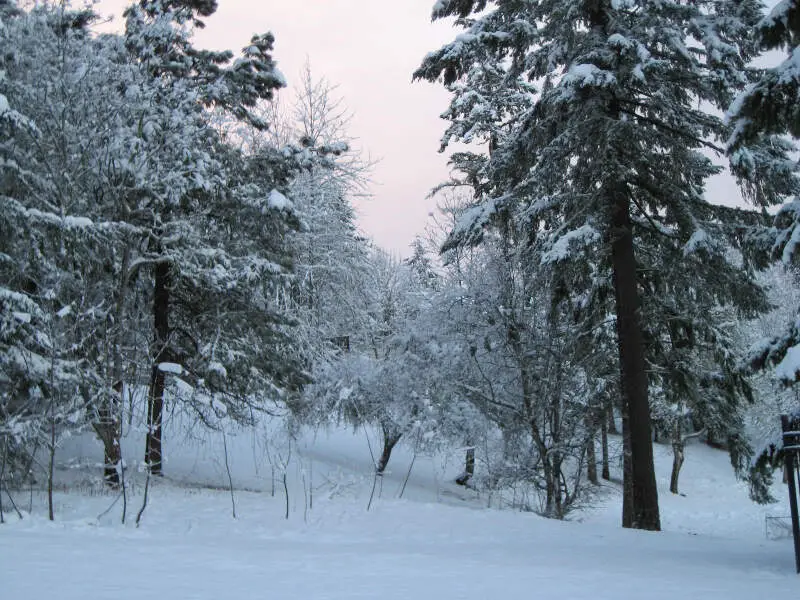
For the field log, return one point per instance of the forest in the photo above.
(177, 235)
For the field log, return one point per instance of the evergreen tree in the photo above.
(761, 117)
(196, 256)
(610, 148)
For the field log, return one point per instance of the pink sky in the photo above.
(369, 49)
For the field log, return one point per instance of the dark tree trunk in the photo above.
(591, 455)
(677, 463)
(390, 440)
(155, 400)
(606, 472)
(107, 428)
(627, 485)
(469, 468)
(641, 480)
(111, 416)
(112, 457)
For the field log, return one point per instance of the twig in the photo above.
(372, 493)
(405, 481)
(286, 493)
(14, 504)
(228, 469)
(696, 434)
(144, 501)
(108, 510)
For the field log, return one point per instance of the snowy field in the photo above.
(437, 541)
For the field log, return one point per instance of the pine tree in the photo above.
(183, 176)
(769, 106)
(610, 148)
(759, 116)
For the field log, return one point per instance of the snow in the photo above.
(278, 201)
(789, 70)
(788, 368)
(438, 8)
(586, 74)
(617, 40)
(22, 317)
(438, 541)
(4, 107)
(699, 240)
(218, 369)
(582, 236)
(168, 367)
(472, 220)
(397, 551)
(778, 14)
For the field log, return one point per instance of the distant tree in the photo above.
(389, 377)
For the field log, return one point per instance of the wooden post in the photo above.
(791, 445)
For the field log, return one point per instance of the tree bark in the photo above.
(107, 428)
(469, 467)
(642, 510)
(606, 471)
(591, 454)
(390, 440)
(155, 400)
(677, 463)
(112, 431)
(111, 456)
(627, 485)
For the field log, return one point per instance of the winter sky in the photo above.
(369, 49)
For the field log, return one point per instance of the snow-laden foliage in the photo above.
(134, 235)
(599, 118)
(761, 117)
(390, 377)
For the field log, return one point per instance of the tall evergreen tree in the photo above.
(183, 182)
(610, 148)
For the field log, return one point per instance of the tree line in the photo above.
(169, 224)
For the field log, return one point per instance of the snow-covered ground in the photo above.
(437, 541)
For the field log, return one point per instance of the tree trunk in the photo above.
(606, 472)
(612, 423)
(627, 485)
(677, 463)
(107, 428)
(155, 400)
(111, 453)
(643, 510)
(390, 440)
(469, 467)
(111, 417)
(591, 456)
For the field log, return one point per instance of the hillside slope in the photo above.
(438, 541)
